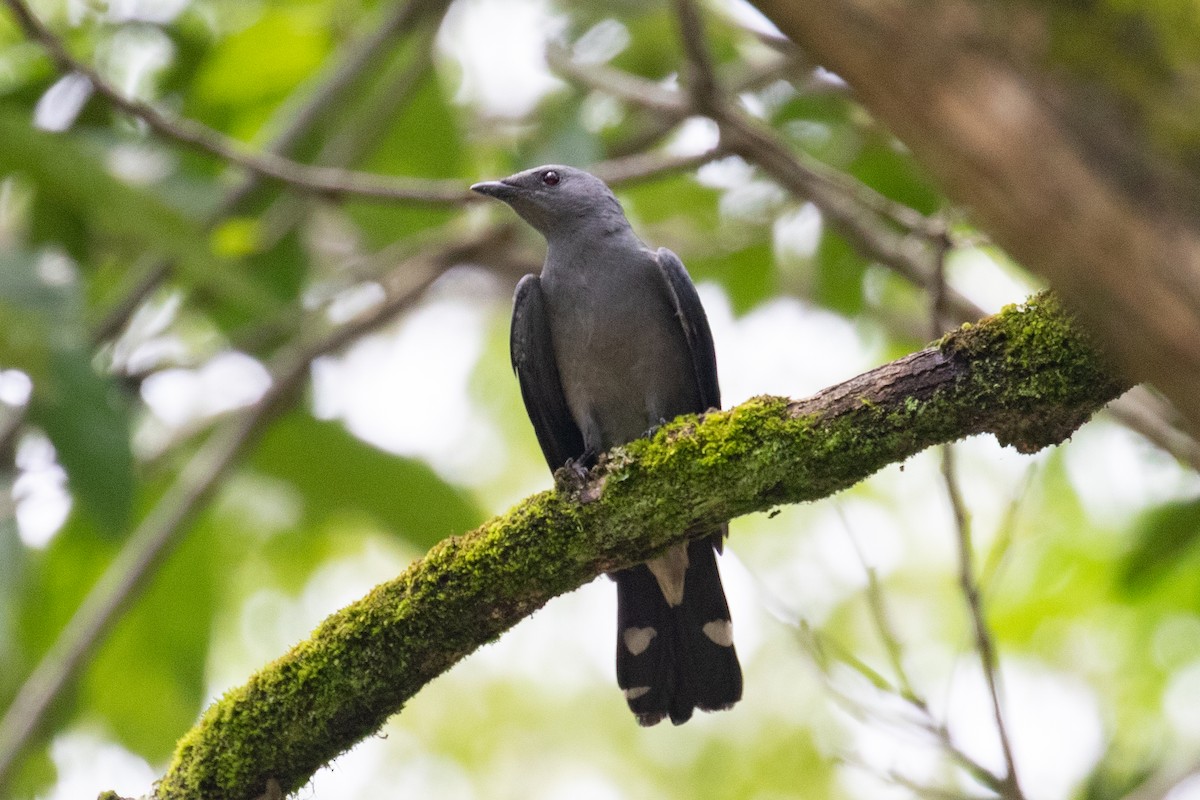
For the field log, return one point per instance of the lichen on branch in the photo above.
(1027, 375)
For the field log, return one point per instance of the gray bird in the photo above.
(607, 343)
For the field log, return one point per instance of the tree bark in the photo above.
(1025, 375)
(1070, 130)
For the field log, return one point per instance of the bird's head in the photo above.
(558, 200)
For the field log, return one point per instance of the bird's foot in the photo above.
(573, 476)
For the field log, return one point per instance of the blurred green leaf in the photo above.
(563, 138)
(839, 274)
(67, 172)
(654, 51)
(1164, 539)
(57, 224)
(336, 472)
(423, 141)
(87, 419)
(265, 61)
(748, 274)
(146, 681)
(81, 411)
(887, 169)
(680, 198)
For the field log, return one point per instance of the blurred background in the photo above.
(235, 405)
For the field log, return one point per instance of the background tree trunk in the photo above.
(1070, 131)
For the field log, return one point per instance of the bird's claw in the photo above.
(574, 475)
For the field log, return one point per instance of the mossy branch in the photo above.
(1025, 375)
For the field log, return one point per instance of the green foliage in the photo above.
(87, 419)
(1166, 543)
(81, 411)
(1105, 600)
(422, 140)
(336, 473)
(840, 270)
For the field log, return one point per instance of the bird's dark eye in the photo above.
(550, 178)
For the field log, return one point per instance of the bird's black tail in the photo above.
(673, 659)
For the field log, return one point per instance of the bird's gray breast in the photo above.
(621, 352)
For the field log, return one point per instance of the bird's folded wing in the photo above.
(686, 304)
(532, 351)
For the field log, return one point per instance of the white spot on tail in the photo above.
(669, 570)
(638, 639)
(719, 631)
(636, 692)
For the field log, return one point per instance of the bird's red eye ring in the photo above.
(550, 178)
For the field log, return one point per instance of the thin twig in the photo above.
(823, 648)
(861, 214)
(164, 526)
(329, 181)
(921, 790)
(1006, 531)
(639, 167)
(705, 91)
(966, 570)
(359, 56)
(982, 633)
(883, 625)
(904, 689)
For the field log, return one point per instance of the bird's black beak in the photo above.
(497, 189)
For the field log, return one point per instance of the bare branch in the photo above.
(647, 166)
(329, 181)
(983, 636)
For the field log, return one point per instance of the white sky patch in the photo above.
(601, 43)
(565, 648)
(804, 562)
(749, 17)
(797, 234)
(39, 492)
(132, 55)
(159, 11)
(15, 387)
(580, 782)
(57, 109)
(1180, 700)
(600, 111)
(781, 347)
(500, 49)
(1187, 789)
(1118, 474)
(398, 766)
(694, 135)
(141, 164)
(86, 764)
(982, 278)
(407, 390)
(226, 382)
(1053, 721)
